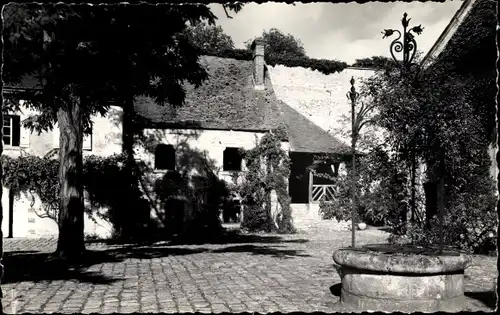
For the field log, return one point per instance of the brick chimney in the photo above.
(258, 63)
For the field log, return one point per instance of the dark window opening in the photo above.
(232, 159)
(11, 130)
(164, 157)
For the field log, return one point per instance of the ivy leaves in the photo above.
(268, 169)
(34, 175)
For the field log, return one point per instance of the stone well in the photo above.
(406, 279)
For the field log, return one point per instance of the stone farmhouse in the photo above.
(234, 108)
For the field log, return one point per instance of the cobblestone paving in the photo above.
(260, 274)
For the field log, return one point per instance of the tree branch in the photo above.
(225, 10)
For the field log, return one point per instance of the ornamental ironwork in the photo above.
(405, 45)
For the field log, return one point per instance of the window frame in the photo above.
(10, 118)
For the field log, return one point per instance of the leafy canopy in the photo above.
(280, 45)
(210, 39)
(99, 54)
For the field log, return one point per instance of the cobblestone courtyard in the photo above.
(251, 273)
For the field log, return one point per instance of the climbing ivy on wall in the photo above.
(32, 175)
(108, 182)
(268, 170)
(322, 65)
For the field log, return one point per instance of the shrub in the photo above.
(203, 194)
(268, 170)
(381, 193)
(114, 183)
(322, 65)
(470, 224)
(339, 209)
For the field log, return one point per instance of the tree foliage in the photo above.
(210, 39)
(433, 112)
(280, 46)
(287, 50)
(434, 116)
(382, 193)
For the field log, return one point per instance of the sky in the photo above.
(341, 31)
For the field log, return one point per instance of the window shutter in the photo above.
(55, 136)
(16, 131)
(87, 142)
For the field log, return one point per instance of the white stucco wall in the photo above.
(28, 224)
(319, 97)
(105, 140)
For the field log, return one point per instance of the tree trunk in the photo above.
(11, 212)
(71, 208)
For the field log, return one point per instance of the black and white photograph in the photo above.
(257, 157)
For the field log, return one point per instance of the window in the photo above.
(11, 130)
(165, 157)
(232, 159)
(87, 141)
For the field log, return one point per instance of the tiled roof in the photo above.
(305, 136)
(226, 100)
